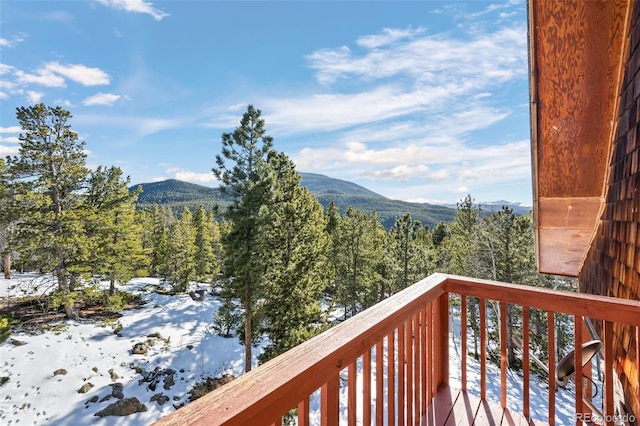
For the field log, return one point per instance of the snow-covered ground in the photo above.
(185, 343)
(88, 351)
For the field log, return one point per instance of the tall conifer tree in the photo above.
(114, 232)
(292, 243)
(241, 170)
(52, 170)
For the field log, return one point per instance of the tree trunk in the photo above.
(247, 329)
(112, 287)
(63, 287)
(7, 266)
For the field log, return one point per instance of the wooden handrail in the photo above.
(278, 385)
(412, 316)
(612, 309)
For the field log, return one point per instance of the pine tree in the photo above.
(241, 169)
(410, 251)
(182, 248)
(7, 219)
(204, 256)
(292, 244)
(113, 230)
(159, 262)
(357, 254)
(332, 229)
(381, 262)
(52, 172)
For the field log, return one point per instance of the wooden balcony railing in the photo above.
(401, 348)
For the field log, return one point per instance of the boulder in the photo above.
(123, 407)
(116, 390)
(85, 388)
(140, 349)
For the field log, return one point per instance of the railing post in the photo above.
(463, 331)
(330, 402)
(609, 371)
(366, 385)
(503, 354)
(483, 348)
(401, 373)
(577, 362)
(551, 349)
(391, 374)
(525, 361)
(442, 344)
(303, 412)
(351, 392)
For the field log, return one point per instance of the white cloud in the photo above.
(432, 60)
(10, 139)
(9, 150)
(54, 74)
(12, 129)
(388, 36)
(136, 6)
(79, 73)
(101, 99)
(11, 43)
(34, 97)
(43, 78)
(188, 176)
(337, 111)
(5, 69)
(140, 126)
(4, 95)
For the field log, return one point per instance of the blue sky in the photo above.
(420, 100)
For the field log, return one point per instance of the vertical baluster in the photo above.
(551, 349)
(366, 391)
(463, 333)
(483, 349)
(587, 370)
(443, 312)
(503, 354)
(416, 365)
(577, 331)
(303, 412)
(379, 384)
(423, 358)
(352, 407)
(409, 357)
(430, 349)
(391, 375)
(330, 402)
(608, 373)
(401, 374)
(525, 360)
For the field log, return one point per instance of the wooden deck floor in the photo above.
(453, 407)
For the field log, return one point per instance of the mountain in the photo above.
(494, 206)
(321, 185)
(178, 194)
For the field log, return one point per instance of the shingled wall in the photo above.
(612, 266)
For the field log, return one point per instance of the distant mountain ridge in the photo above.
(179, 194)
(494, 206)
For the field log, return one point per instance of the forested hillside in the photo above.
(178, 194)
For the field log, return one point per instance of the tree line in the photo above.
(284, 267)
